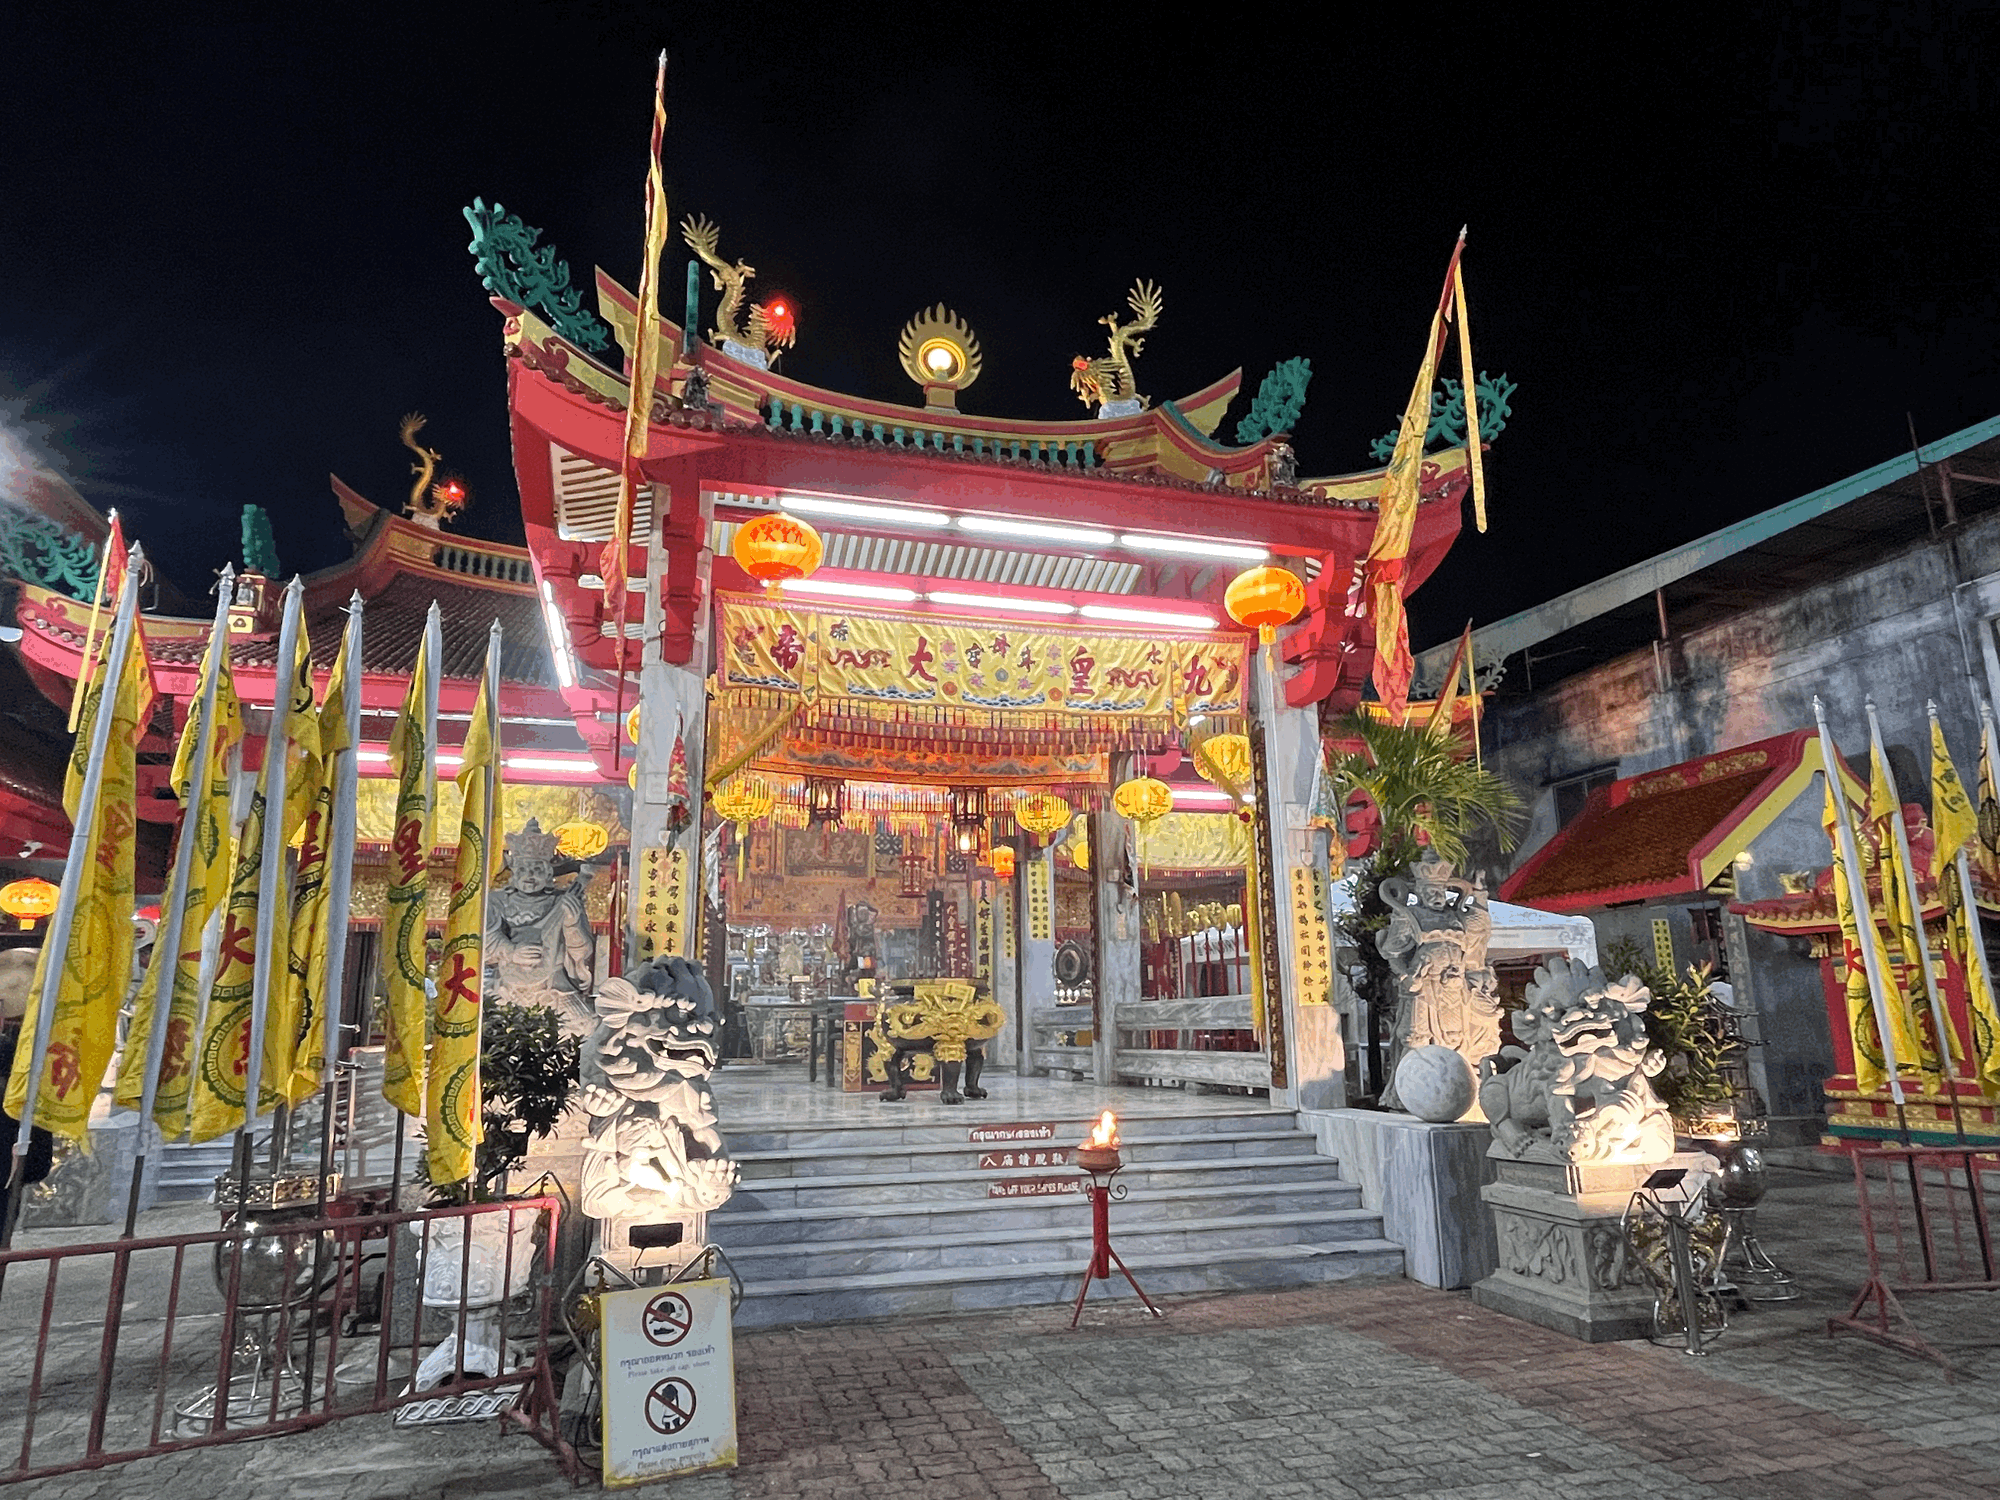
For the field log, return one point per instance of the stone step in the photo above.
(1222, 1236)
(902, 1187)
(922, 1120)
(940, 1156)
(746, 1222)
(952, 1289)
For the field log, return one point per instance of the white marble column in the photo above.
(1113, 863)
(1316, 1059)
(1035, 968)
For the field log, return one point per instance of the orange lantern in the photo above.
(632, 725)
(1003, 861)
(30, 900)
(776, 548)
(584, 840)
(1265, 597)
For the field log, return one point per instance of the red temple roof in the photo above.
(1670, 832)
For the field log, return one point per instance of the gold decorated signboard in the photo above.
(980, 667)
(1315, 945)
(982, 951)
(1041, 900)
(661, 912)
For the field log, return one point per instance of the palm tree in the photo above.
(1426, 791)
(1427, 795)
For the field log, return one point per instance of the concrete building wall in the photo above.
(1917, 626)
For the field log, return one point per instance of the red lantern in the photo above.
(776, 548)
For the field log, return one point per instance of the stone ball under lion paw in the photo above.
(1434, 1084)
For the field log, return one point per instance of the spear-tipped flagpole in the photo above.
(493, 638)
(169, 942)
(340, 886)
(63, 920)
(270, 874)
(1933, 991)
(1850, 861)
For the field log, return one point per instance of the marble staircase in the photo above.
(903, 1211)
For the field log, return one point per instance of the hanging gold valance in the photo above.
(871, 679)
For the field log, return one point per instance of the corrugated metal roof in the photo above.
(923, 558)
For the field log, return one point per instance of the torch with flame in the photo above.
(1099, 1151)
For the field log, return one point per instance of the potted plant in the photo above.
(527, 1079)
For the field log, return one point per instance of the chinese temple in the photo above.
(1006, 729)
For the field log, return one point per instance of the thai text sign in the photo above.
(994, 666)
(669, 1382)
(981, 1135)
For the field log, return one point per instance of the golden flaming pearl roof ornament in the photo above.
(941, 354)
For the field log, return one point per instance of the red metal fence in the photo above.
(128, 1349)
(1927, 1215)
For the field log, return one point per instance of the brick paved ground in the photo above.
(1384, 1391)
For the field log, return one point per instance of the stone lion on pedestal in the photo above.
(653, 1150)
(1583, 1088)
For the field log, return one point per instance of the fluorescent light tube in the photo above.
(849, 590)
(1002, 601)
(1082, 536)
(856, 510)
(1148, 617)
(1194, 546)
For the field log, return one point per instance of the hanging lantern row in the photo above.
(826, 801)
(774, 549)
(968, 817)
(1265, 598)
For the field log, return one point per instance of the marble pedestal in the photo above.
(1564, 1263)
(1424, 1180)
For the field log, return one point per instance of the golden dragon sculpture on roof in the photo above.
(1098, 381)
(769, 325)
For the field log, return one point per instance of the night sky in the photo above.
(1723, 251)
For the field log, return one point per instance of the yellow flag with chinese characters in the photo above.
(1954, 825)
(204, 793)
(222, 1060)
(453, 1114)
(403, 929)
(1909, 989)
(296, 1066)
(304, 783)
(1871, 1070)
(97, 963)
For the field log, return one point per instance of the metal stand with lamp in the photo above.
(1099, 1156)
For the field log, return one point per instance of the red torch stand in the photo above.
(1102, 1256)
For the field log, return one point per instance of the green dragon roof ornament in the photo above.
(512, 265)
(1447, 428)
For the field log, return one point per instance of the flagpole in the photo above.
(339, 889)
(493, 638)
(1932, 991)
(433, 652)
(167, 959)
(90, 631)
(1850, 861)
(270, 878)
(63, 920)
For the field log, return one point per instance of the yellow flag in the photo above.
(222, 1061)
(453, 1115)
(409, 891)
(204, 794)
(304, 783)
(1870, 1065)
(1954, 825)
(97, 965)
(1909, 997)
(1985, 849)
(295, 1061)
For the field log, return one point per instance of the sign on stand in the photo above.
(669, 1382)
